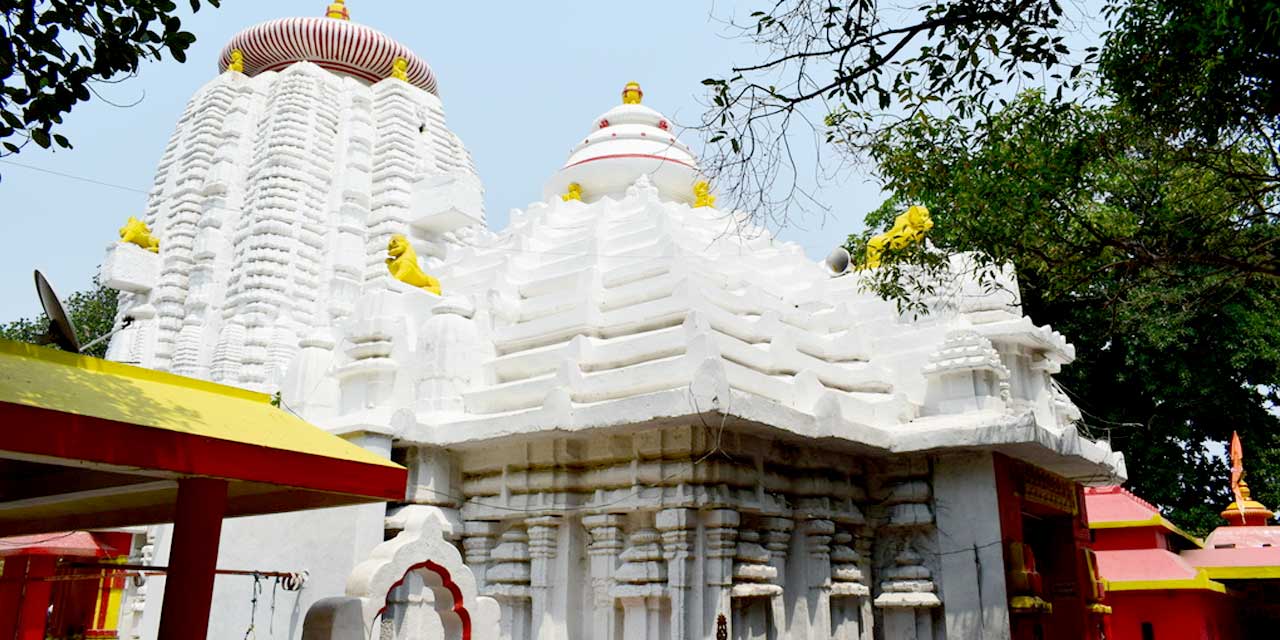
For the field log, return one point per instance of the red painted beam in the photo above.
(56, 434)
(197, 528)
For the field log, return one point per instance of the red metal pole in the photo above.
(188, 591)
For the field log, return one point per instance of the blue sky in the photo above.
(521, 82)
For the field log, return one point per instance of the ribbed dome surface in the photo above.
(337, 45)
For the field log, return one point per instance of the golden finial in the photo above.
(702, 195)
(400, 69)
(908, 228)
(338, 10)
(631, 94)
(136, 232)
(237, 61)
(574, 192)
(1244, 511)
(403, 265)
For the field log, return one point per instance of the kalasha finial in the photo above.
(1244, 511)
(338, 10)
(574, 193)
(631, 94)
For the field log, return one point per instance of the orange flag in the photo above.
(1237, 469)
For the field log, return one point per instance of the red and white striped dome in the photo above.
(334, 44)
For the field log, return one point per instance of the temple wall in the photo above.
(973, 584)
(653, 534)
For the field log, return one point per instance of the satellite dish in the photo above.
(61, 331)
(838, 262)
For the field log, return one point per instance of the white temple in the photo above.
(625, 417)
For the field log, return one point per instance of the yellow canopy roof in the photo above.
(69, 410)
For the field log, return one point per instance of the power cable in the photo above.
(71, 176)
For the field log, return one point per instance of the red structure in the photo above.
(41, 599)
(91, 444)
(1164, 584)
(1053, 587)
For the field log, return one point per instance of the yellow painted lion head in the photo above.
(398, 246)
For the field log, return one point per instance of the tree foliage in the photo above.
(93, 312)
(1161, 269)
(1206, 69)
(53, 51)
(1133, 182)
(865, 65)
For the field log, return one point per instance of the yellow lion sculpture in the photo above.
(403, 265)
(400, 69)
(908, 228)
(136, 232)
(702, 195)
(237, 61)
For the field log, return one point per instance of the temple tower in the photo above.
(276, 197)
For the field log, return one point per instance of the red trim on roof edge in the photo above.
(44, 432)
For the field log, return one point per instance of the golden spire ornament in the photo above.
(1244, 511)
(338, 10)
(631, 94)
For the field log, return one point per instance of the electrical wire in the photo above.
(500, 249)
(71, 176)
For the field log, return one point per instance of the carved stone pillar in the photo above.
(542, 554)
(863, 546)
(678, 527)
(606, 543)
(907, 595)
(641, 586)
(477, 542)
(754, 587)
(508, 582)
(848, 588)
(722, 546)
(818, 534)
(777, 539)
(907, 592)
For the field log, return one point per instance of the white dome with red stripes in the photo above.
(332, 42)
(626, 142)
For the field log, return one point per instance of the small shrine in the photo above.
(1164, 583)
